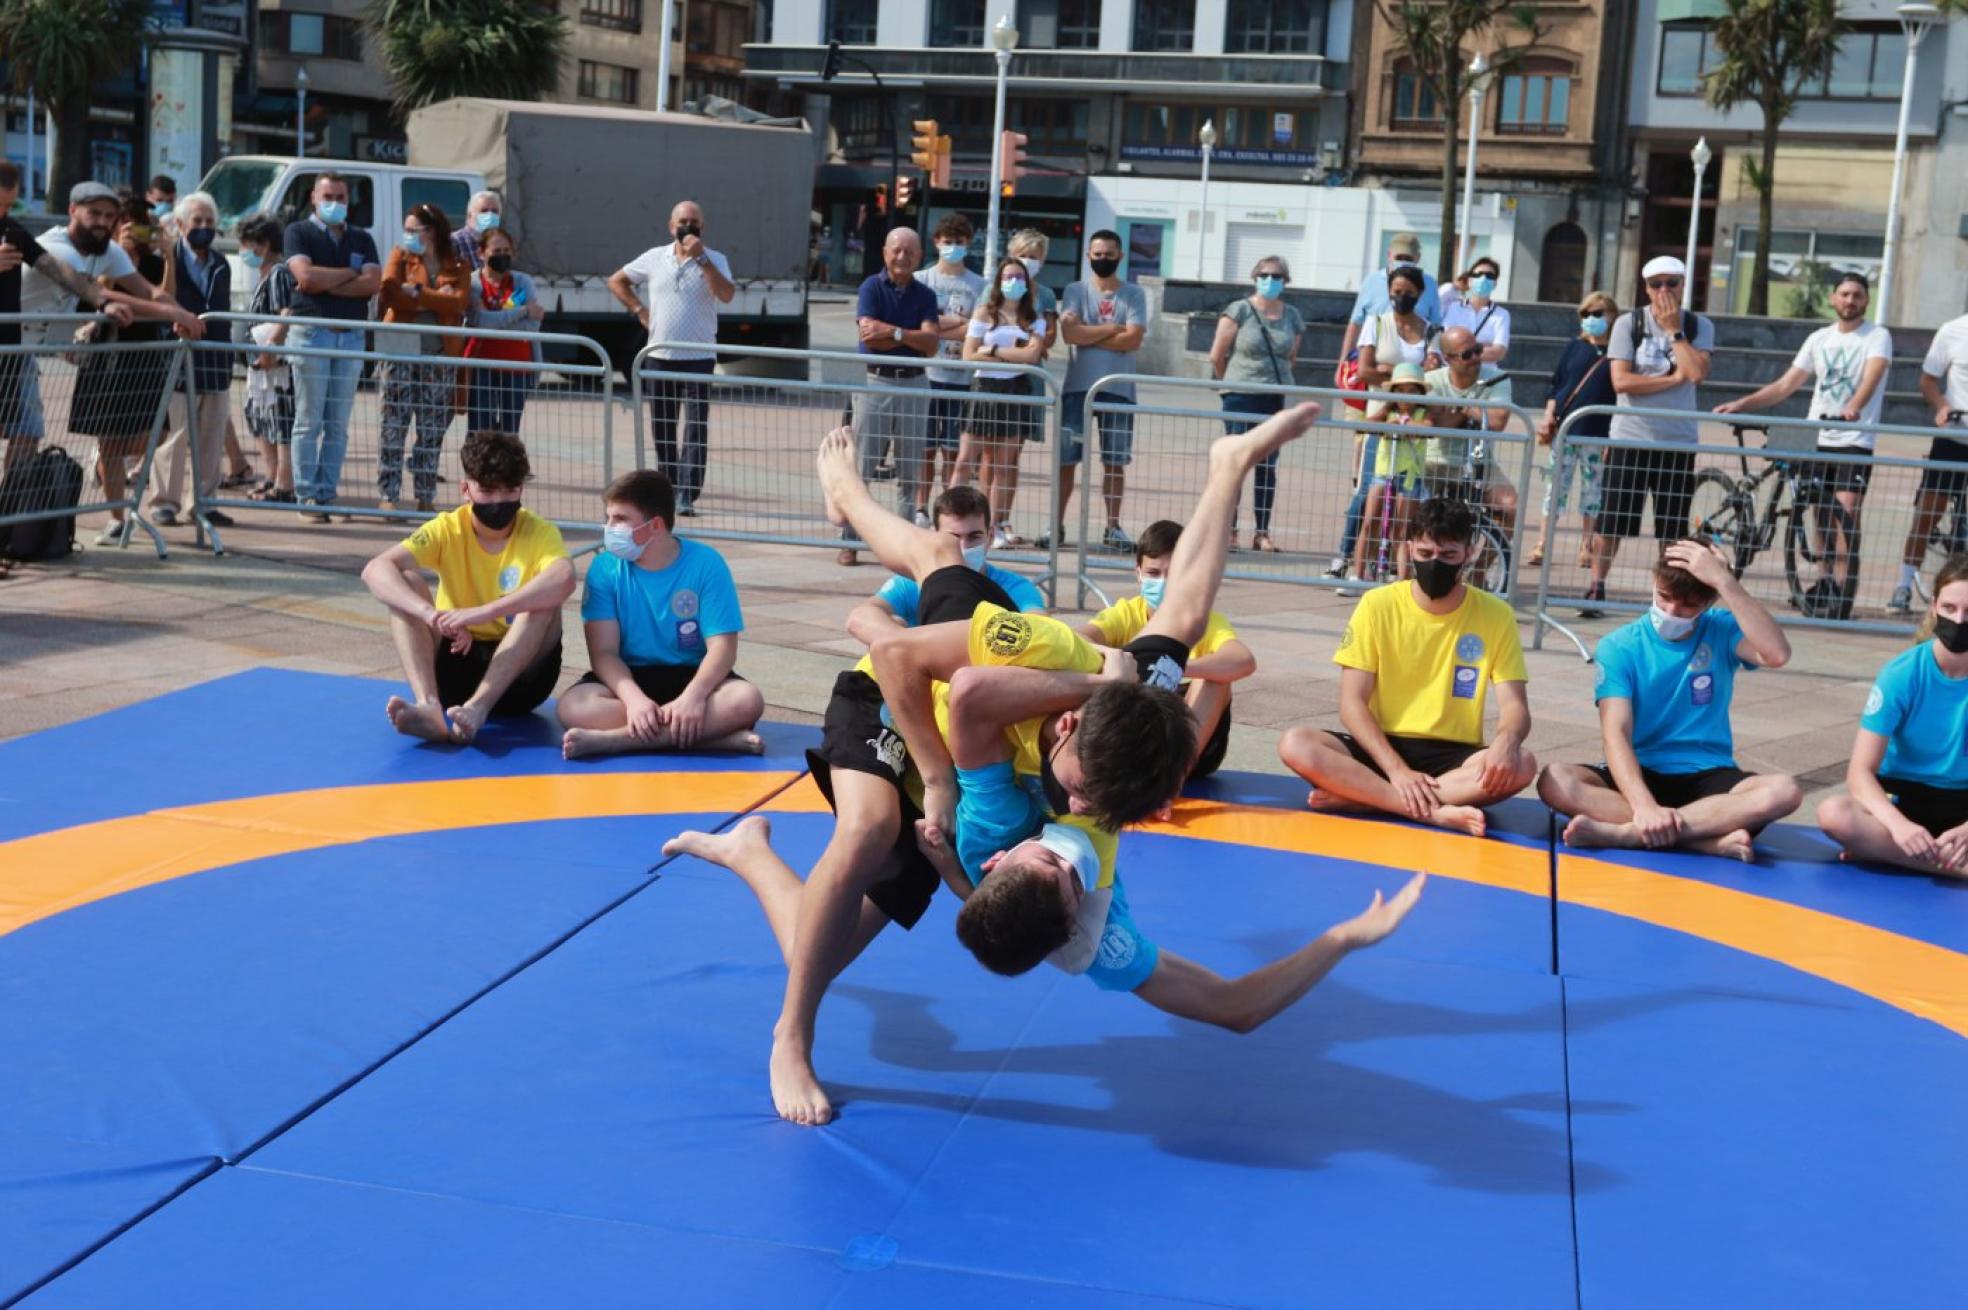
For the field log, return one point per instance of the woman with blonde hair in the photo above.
(992, 466)
(1582, 378)
(1906, 800)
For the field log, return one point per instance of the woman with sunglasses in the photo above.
(1582, 379)
(1257, 341)
(1474, 309)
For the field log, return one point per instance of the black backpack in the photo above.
(47, 479)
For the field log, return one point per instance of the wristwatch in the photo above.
(898, 334)
(1679, 336)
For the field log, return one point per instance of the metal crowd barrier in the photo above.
(1316, 480)
(566, 420)
(1774, 511)
(761, 432)
(101, 406)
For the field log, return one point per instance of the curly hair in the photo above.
(495, 460)
(1136, 743)
(1015, 918)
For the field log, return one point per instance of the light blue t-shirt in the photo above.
(1680, 690)
(904, 595)
(996, 810)
(665, 615)
(1923, 715)
(1373, 300)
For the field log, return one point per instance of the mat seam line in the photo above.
(1571, 1141)
(211, 1168)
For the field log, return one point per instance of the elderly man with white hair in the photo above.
(485, 212)
(202, 282)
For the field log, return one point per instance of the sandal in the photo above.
(1262, 541)
(1535, 558)
(280, 496)
(243, 477)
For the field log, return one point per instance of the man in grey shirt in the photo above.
(1105, 321)
(1659, 355)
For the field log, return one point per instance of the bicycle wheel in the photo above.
(1812, 528)
(1724, 516)
(1490, 566)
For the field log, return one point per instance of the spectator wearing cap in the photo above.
(1659, 354)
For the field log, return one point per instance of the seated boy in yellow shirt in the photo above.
(1215, 662)
(489, 641)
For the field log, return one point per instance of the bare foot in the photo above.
(1460, 818)
(1736, 845)
(466, 720)
(835, 462)
(724, 849)
(584, 743)
(796, 1090)
(414, 720)
(1590, 833)
(1247, 449)
(1326, 802)
(744, 742)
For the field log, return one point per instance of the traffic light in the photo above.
(923, 144)
(905, 193)
(831, 69)
(1011, 162)
(939, 176)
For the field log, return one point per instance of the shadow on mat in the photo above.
(1277, 1098)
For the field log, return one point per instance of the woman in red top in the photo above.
(500, 298)
(424, 282)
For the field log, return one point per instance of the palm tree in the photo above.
(440, 49)
(1769, 51)
(59, 50)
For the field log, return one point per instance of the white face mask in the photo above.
(974, 556)
(1032, 266)
(1671, 627)
(618, 539)
(1076, 848)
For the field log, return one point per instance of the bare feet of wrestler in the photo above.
(749, 837)
(415, 720)
(1460, 818)
(835, 461)
(466, 720)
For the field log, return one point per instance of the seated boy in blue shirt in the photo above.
(961, 512)
(1665, 680)
(662, 622)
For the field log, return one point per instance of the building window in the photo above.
(617, 15)
(316, 36)
(1164, 25)
(1052, 127)
(1535, 99)
(1870, 63)
(717, 31)
(609, 82)
(957, 23)
(1414, 98)
(851, 22)
(1275, 27)
(1687, 56)
(861, 125)
(1059, 24)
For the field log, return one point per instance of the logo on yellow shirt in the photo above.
(1346, 637)
(1007, 635)
(508, 578)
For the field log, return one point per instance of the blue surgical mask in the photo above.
(1013, 289)
(974, 556)
(1672, 627)
(1152, 591)
(413, 242)
(487, 220)
(251, 258)
(952, 254)
(161, 210)
(1594, 325)
(332, 212)
(1270, 287)
(1482, 286)
(618, 539)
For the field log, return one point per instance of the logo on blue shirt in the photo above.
(689, 635)
(1875, 700)
(1703, 657)
(684, 603)
(1701, 688)
(1465, 683)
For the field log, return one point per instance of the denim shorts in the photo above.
(1116, 431)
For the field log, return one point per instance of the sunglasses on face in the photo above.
(1663, 283)
(1474, 352)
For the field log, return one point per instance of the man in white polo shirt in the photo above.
(674, 291)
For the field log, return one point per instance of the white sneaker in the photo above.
(111, 534)
(1336, 569)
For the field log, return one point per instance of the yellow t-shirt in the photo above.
(1028, 641)
(1433, 671)
(1400, 457)
(1121, 622)
(468, 575)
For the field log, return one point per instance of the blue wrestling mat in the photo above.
(378, 1023)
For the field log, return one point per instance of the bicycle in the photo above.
(1724, 511)
(1489, 553)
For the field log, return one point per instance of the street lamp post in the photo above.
(663, 57)
(1004, 40)
(1479, 81)
(1915, 20)
(1207, 137)
(300, 114)
(1701, 154)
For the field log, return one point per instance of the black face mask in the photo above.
(201, 238)
(1953, 636)
(1103, 267)
(498, 515)
(689, 230)
(1436, 578)
(1405, 302)
(1056, 794)
(499, 263)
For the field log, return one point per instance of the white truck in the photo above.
(585, 190)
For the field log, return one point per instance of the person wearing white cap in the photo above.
(1659, 355)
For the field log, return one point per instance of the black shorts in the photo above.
(853, 737)
(458, 677)
(1002, 411)
(953, 593)
(1216, 747)
(1159, 661)
(1838, 477)
(1946, 482)
(1937, 809)
(662, 683)
(1675, 790)
(1629, 476)
(1422, 754)
(948, 403)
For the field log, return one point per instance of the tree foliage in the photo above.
(440, 49)
(59, 50)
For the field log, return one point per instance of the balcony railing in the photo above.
(1225, 72)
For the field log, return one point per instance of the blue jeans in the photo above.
(1262, 403)
(496, 399)
(324, 392)
(1358, 505)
